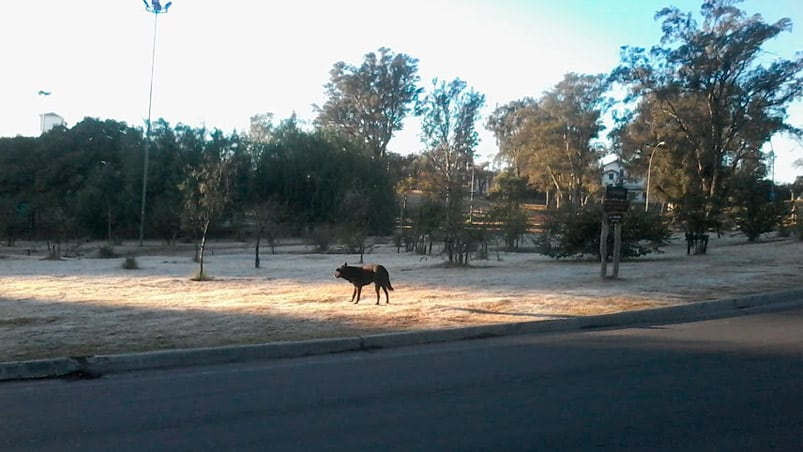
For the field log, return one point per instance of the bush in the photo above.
(130, 263)
(576, 233)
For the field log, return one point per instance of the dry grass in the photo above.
(90, 306)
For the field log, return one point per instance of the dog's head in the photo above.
(339, 270)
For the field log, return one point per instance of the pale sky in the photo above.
(220, 62)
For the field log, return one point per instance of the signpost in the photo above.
(615, 204)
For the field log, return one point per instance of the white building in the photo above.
(49, 120)
(615, 173)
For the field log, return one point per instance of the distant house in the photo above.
(615, 173)
(49, 120)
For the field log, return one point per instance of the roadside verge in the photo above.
(96, 366)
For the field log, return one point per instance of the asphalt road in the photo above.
(730, 384)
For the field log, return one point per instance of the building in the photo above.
(615, 173)
(49, 120)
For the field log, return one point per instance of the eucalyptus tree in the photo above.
(509, 124)
(714, 97)
(369, 103)
(450, 113)
(551, 140)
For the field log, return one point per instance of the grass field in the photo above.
(87, 306)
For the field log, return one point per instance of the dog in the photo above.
(364, 275)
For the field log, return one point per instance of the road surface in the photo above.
(728, 384)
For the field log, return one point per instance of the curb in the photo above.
(95, 366)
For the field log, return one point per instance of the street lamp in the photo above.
(771, 158)
(156, 8)
(649, 172)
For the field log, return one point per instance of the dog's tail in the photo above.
(389, 286)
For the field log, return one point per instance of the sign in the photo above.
(615, 200)
(614, 218)
(615, 192)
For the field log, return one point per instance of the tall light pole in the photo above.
(155, 7)
(649, 172)
(771, 158)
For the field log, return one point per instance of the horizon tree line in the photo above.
(703, 91)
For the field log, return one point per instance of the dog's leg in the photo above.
(376, 286)
(387, 298)
(354, 294)
(359, 293)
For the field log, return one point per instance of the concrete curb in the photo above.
(93, 366)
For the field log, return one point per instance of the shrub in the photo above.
(576, 233)
(130, 263)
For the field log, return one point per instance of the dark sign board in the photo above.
(614, 192)
(615, 200)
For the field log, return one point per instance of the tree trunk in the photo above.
(201, 274)
(256, 253)
(109, 225)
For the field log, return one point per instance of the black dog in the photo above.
(362, 276)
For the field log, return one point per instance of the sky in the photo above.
(217, 63)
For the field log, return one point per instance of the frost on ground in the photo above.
(88, 306)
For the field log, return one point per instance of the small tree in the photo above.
(506, 211)
(268, 215)
(754, 211)
(451, 111)
(354, 221)
(206, 193)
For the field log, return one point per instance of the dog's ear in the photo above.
(345, 264)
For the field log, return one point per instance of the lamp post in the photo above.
(155, 7)
(649, 172)
(771, 158)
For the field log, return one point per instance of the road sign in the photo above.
(614, 218)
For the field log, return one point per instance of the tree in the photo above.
(99, 203)
(368, 104)
(310, 173)
(173, 153)
(551, 140)
(354, 221)
(753, 211)
(268, 221)
(451, 111)
(206, 192)
(19, 163)
(509, 124)
(506, 211)
(705, 92)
